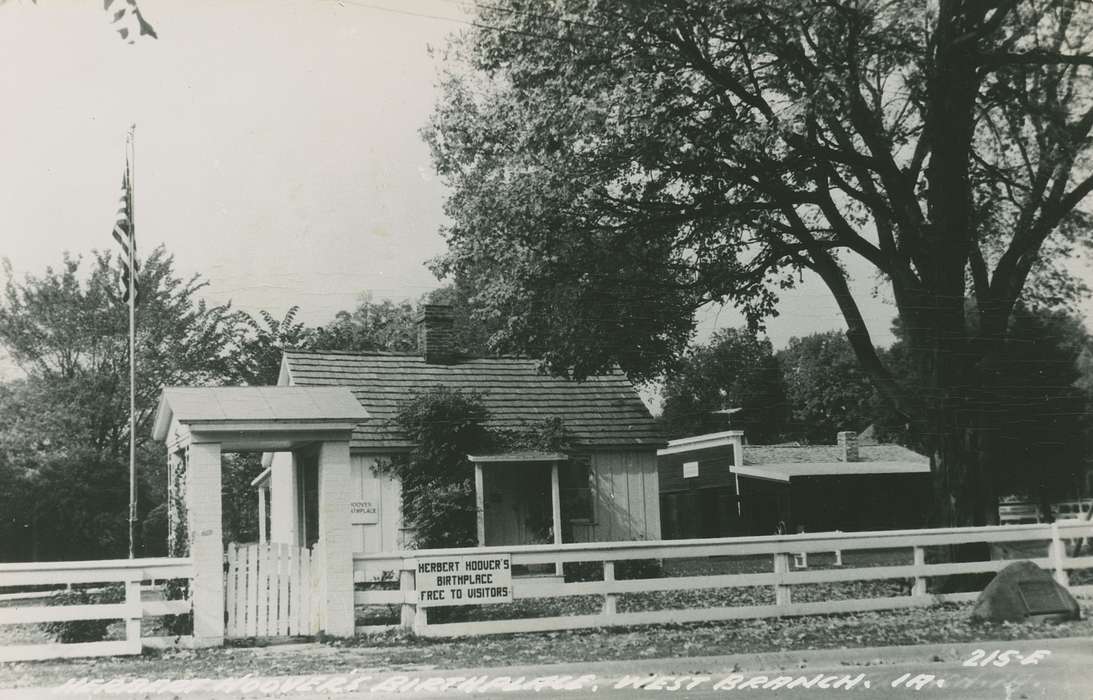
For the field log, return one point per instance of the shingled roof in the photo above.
(803, 454)
(598, 412)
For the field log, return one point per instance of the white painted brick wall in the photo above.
(206, 545)
(336, 552)
(284, 503)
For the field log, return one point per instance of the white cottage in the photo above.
(606, 488)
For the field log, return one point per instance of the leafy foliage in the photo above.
(64, 429)
(259, 348)
(391, 326)
(438, 501)
(383, 325)
(446, 425)
(1032, 386)
(614, 167)
(70, 631)
(737, 370)
(826, 388)
(473, 327)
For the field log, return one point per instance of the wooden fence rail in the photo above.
(128, 572)
(781, 577)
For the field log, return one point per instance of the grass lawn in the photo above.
(942, 624)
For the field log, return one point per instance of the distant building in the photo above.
(715, 486)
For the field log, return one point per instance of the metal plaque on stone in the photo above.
(1041, 597)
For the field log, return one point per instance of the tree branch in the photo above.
(1034, 58)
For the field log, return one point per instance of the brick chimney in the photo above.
(435, 339)
(848, 446)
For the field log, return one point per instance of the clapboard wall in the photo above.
(384, 491)
(626, 495)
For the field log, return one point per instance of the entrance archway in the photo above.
(199, 424)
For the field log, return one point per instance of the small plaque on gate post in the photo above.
(1041, 597)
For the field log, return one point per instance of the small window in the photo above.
(575, 489)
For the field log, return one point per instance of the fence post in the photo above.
(135, 614)
(610, 600)
(919, 587)
(782, 594)
(407, 584)
(1056, 554)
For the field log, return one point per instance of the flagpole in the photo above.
(132, 157)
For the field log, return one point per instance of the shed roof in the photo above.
(600, 411)
(782, 462)
(784, 472)
(827, 454)
(249, 404)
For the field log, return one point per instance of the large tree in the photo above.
(262, 342)
(735, 372)
(64, 429)
(826, 387)
(391, 326)
(615, 166)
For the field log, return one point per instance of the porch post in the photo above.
(556, 510)
(206, 542)
(335, 560)
(262, 514)
(480, 503)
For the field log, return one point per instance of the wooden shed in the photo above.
(716, 486)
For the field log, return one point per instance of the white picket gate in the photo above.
(269, 590)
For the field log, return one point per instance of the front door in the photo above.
(307, 489)
(518, 503)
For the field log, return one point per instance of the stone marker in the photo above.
(1023, 591)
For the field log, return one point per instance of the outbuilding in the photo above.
(716, 486)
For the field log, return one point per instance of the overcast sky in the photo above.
(277, 152)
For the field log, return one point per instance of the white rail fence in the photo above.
(131, 573)
(1008, 543)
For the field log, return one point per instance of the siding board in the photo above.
(384, 491)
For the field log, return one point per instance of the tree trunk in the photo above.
(965, 492)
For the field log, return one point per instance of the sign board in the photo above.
(363, 513)
(690, 470)
(475, 579)
(1041, 597)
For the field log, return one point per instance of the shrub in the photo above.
(70, 631)
(628, 569)
(639, 568)
(177, 625)
(438, 500)
(581, 571)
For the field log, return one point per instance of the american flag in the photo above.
(127, 20)
(126, 237)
